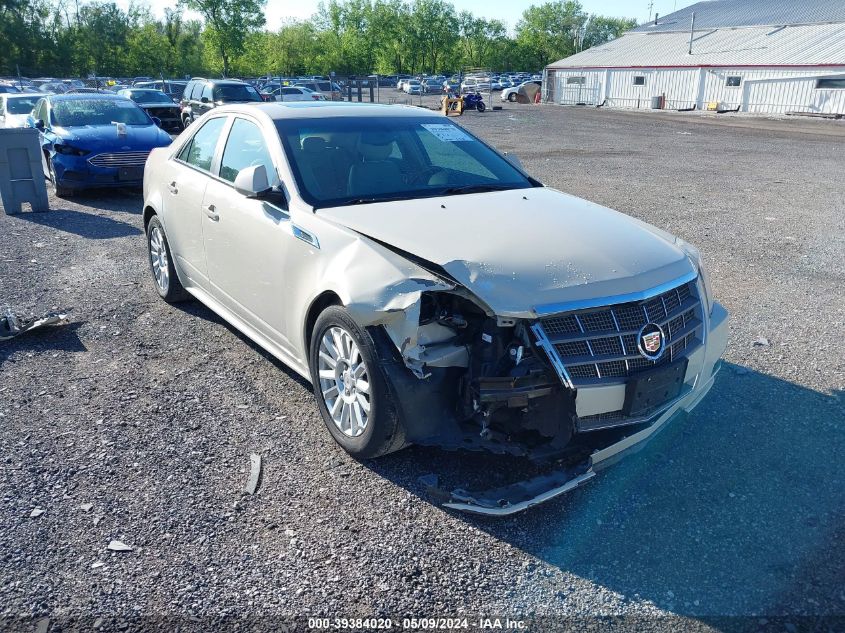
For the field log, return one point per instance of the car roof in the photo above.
(86, 96)
(277, 110)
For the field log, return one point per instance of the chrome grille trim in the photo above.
(597, 345)
(119, 159)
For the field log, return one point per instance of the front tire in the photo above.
(352, 388)
(512, 97)
(58, 190)
(481, 107)
(165, 279)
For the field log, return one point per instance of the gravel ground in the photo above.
(149, 413)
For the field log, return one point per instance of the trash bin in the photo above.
(658, 102)
(21, 172)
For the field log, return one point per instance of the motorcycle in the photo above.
(474, 101)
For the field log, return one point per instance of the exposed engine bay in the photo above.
(494, 388)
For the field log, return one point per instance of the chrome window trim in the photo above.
(551, 309)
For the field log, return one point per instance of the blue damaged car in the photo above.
(94, 140)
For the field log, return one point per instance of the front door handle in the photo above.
(210, 212)
(173, 188)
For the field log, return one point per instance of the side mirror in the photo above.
(204, 100)
(38, 124)
(157, 121)
(252, 181)
(513, 159)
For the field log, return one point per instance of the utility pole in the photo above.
(691, 31)
(650, 9)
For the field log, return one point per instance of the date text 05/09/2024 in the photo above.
(416, 624)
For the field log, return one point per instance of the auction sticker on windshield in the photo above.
(447, 132)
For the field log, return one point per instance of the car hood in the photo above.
(103, 138)
(525, 250)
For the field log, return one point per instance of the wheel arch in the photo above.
(149, 212)
(321, 302)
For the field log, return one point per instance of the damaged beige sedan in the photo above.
(432, 291)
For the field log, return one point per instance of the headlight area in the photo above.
(69, 150)
(705, 285)
(694, 255)
(477, 382)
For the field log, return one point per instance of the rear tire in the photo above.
(481, 107)
(512, 97)
(165, 278)
(353, 391)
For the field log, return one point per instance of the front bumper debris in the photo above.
(523, 495)
(11, 325)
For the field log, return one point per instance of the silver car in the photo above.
(431, 290)
(15, 107)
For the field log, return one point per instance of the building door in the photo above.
(580, 90)
(550, 86)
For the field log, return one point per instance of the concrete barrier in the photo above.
(21, 171)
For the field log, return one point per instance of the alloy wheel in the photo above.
(344, 381)
(159, 261)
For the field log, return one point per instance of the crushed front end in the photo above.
(572, 388)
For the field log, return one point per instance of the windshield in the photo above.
(149, 96)
(78, 112)
(344, 160)
(236, 92)
(22, 105)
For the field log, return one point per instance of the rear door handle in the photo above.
(210, 212)
(173, 188)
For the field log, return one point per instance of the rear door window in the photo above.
(199, 152)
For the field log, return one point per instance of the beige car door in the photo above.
(188, 176)
(246, 240)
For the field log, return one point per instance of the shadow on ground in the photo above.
(87, 225)
(200, 311)
(737, 509)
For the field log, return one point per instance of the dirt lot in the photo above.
(150, 412)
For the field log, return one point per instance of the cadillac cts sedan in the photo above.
(431, 290)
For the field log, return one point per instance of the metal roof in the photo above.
(731, 13)
(814, 45)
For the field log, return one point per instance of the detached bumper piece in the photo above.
(11, 325)
(522, 495)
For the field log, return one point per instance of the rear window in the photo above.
(324, 86)
(236, 92)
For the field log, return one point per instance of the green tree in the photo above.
(227, 25)
(600, 30)
(549, 32)
(433, 34)
(479, 39)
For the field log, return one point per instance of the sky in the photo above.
(509, 11)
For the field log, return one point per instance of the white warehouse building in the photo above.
(763, 56)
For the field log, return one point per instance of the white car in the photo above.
(510, 94)
(375, 250)
(296, 93)
(413, 87)
(15, 107)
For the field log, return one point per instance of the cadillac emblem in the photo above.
(651, 341)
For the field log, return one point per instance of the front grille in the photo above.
(120, 159)
(599, 345)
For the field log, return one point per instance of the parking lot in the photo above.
(150, 412)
